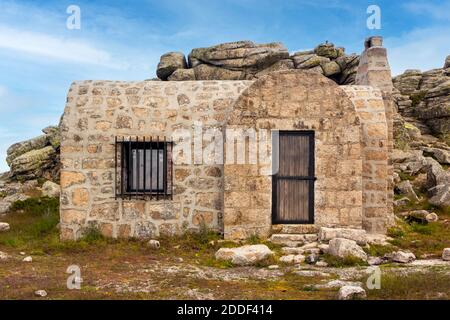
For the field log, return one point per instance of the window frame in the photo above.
(126, 166)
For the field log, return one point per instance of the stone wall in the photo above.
(376, 147)
(352, 146)
(374, 71)
(295, 100)
(98, 111)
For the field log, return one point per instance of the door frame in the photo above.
(311, 178)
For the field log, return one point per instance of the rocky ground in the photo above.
(34, 263)
(335, 264)
(413, 258)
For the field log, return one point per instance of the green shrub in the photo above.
(36, 206)
(31, 221)
(426, 229)
(395, 232)
(416, 98)
(377, 250)
(92, 234)
(253, 239)
(348, 261)
(404, 176)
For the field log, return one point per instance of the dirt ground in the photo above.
(185, 267)
(133, 271)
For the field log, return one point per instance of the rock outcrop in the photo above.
(438, 182)
(425, 96)
(427, 174)
(170, 62)
(35, 158)
(51, 189)
(246, 60)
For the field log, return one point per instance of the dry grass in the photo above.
(423, 239)
(127, 269)
(431, 285)
(183, 268)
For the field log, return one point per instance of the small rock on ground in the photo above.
(4, 226)
(292, 250)
(40, 293)
(351, 293)
(312, 258)
(446, 254)
(323, 248)
(154, 244)
(375, 261)
(27, 259)
(343, 248)
(3, 256)
(402, 256)
(293, 259)
(311, 273)
(245, 255)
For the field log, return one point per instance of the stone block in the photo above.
(69, 178)
(105, 211)
(80, 197)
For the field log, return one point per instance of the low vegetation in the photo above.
(32, 222)
(184, 267)
(430, 285)
(377, 250)
(424, 240)
(338, 262)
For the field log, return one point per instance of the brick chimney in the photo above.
(373, 69)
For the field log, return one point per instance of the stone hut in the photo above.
(287, 153)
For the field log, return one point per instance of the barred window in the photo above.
(143, 168)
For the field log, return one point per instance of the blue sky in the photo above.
(40, 57)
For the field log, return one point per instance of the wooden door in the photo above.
(293, 182)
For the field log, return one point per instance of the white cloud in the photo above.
(422, 49)
(44, 45)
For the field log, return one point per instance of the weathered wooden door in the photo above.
(293, 178)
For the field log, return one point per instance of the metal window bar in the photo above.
(145, 166)
(115, 168)
(129, 169)
(165, 168)
(157, 169)
(122, 166)
(171, 171)
(131, 158)
(151, 167)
